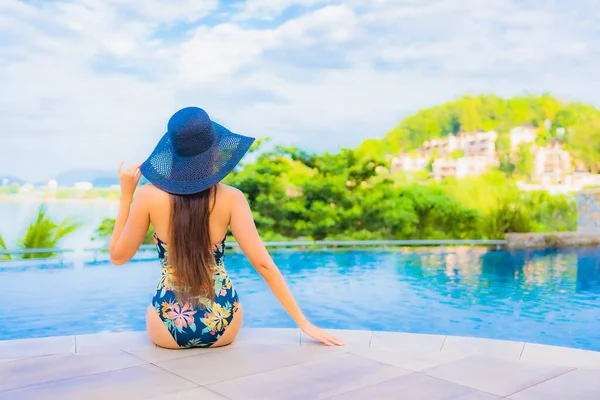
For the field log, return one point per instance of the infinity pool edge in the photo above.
(361, 342)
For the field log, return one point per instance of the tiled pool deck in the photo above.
(283, 364)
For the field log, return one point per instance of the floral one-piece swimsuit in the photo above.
(201, 325)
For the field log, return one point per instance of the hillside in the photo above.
(490, 112)
(10, 180)
(99, 178)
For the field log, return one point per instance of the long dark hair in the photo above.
(190, 250)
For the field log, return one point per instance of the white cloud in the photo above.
(217, 52)
(86, 83)
(328, 24)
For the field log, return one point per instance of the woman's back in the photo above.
(160, 207)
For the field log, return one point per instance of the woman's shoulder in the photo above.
(149, 193)
(149, 189)
(229, 195)
(228, 190)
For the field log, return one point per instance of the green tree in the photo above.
(550, 212)
(469, 114)
(3, 247)
(584, 141)
(45, 233)
(439, 215)
(565, 118)
(106, 227)
(456, 154)
(509, 215)
(525, 163)
(258, 143)
(503, 150)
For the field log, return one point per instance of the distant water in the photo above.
(15, 217)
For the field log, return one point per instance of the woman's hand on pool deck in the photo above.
(129, 178)
(320, 335)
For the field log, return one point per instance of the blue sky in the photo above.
(86, 83)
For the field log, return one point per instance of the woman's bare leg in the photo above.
(157, 331)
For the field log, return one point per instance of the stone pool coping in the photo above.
(284, 363)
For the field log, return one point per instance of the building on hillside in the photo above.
(443, 147)
(471, 154)
(472, 144)
(83, 185)
(406, 162)
(52, 186)
(580, 167)
(526, 133)
(26, 188)
(552, 164)
(443, 168)
(480, 144)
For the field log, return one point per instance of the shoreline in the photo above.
(52, 200)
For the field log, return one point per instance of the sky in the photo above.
(87, 83)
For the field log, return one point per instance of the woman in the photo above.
(195, 304)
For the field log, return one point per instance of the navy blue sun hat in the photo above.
(194, 154)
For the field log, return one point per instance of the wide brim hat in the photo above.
(194, 154)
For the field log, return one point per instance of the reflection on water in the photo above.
(588, 270)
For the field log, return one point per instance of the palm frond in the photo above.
(66, 227)
(105, 229)
(107, 226)
(3, 247)
(45, 233)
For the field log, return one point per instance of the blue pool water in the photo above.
(550, 297)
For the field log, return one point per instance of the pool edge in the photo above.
(455, 347)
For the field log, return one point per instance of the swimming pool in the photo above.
(550, 297)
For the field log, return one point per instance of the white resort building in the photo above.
(522, 134)
(458, 155)
(471, 154)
